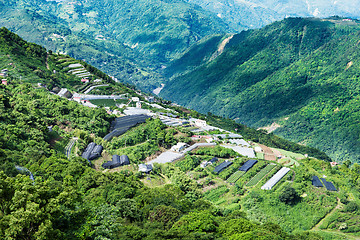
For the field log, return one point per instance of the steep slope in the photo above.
(52, 32)
(248, 14)
(301, 73)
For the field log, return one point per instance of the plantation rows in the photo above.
(235, 176)
(260, 175)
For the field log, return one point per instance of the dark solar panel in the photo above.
(329, 185)
(249, 164)
(316, 182)
(222, 166)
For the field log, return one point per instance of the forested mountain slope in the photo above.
(129, 40)
(300, 73)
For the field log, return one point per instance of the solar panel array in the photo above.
(275, 179)
(316, 181)
(121, 125)
(222, 166)
(329, 185)
(249, 164)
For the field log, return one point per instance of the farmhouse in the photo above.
(179, 147)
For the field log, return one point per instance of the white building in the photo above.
(135, 99)
(179, 147)
(200, 123)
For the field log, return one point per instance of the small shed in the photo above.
(179, 147)
(146, 168)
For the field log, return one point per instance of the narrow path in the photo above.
(317, 226)
(46, 61)
(69, 147)
(92, 87)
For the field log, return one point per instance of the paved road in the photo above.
(91, 88)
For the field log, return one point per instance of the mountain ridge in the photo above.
(269, 76)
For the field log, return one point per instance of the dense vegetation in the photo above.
(299, 73)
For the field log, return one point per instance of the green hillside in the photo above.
(48, 30)
(68, 198)
(299, 73)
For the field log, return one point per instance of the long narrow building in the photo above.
(275, 179)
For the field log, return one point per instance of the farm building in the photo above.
(117, 161)
(329, 185)
(206, 163)
(275, 179)
(179, 147)
(316, 181)
(222, 166)
(249, 164)
(146, 168)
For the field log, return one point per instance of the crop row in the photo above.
(260, 175)
(235, 176)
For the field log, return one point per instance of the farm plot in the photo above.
(235, 176)
(260, 175)
(215, 194)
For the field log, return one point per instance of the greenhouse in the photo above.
(275, 179)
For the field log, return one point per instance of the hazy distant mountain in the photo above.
(240, 14)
